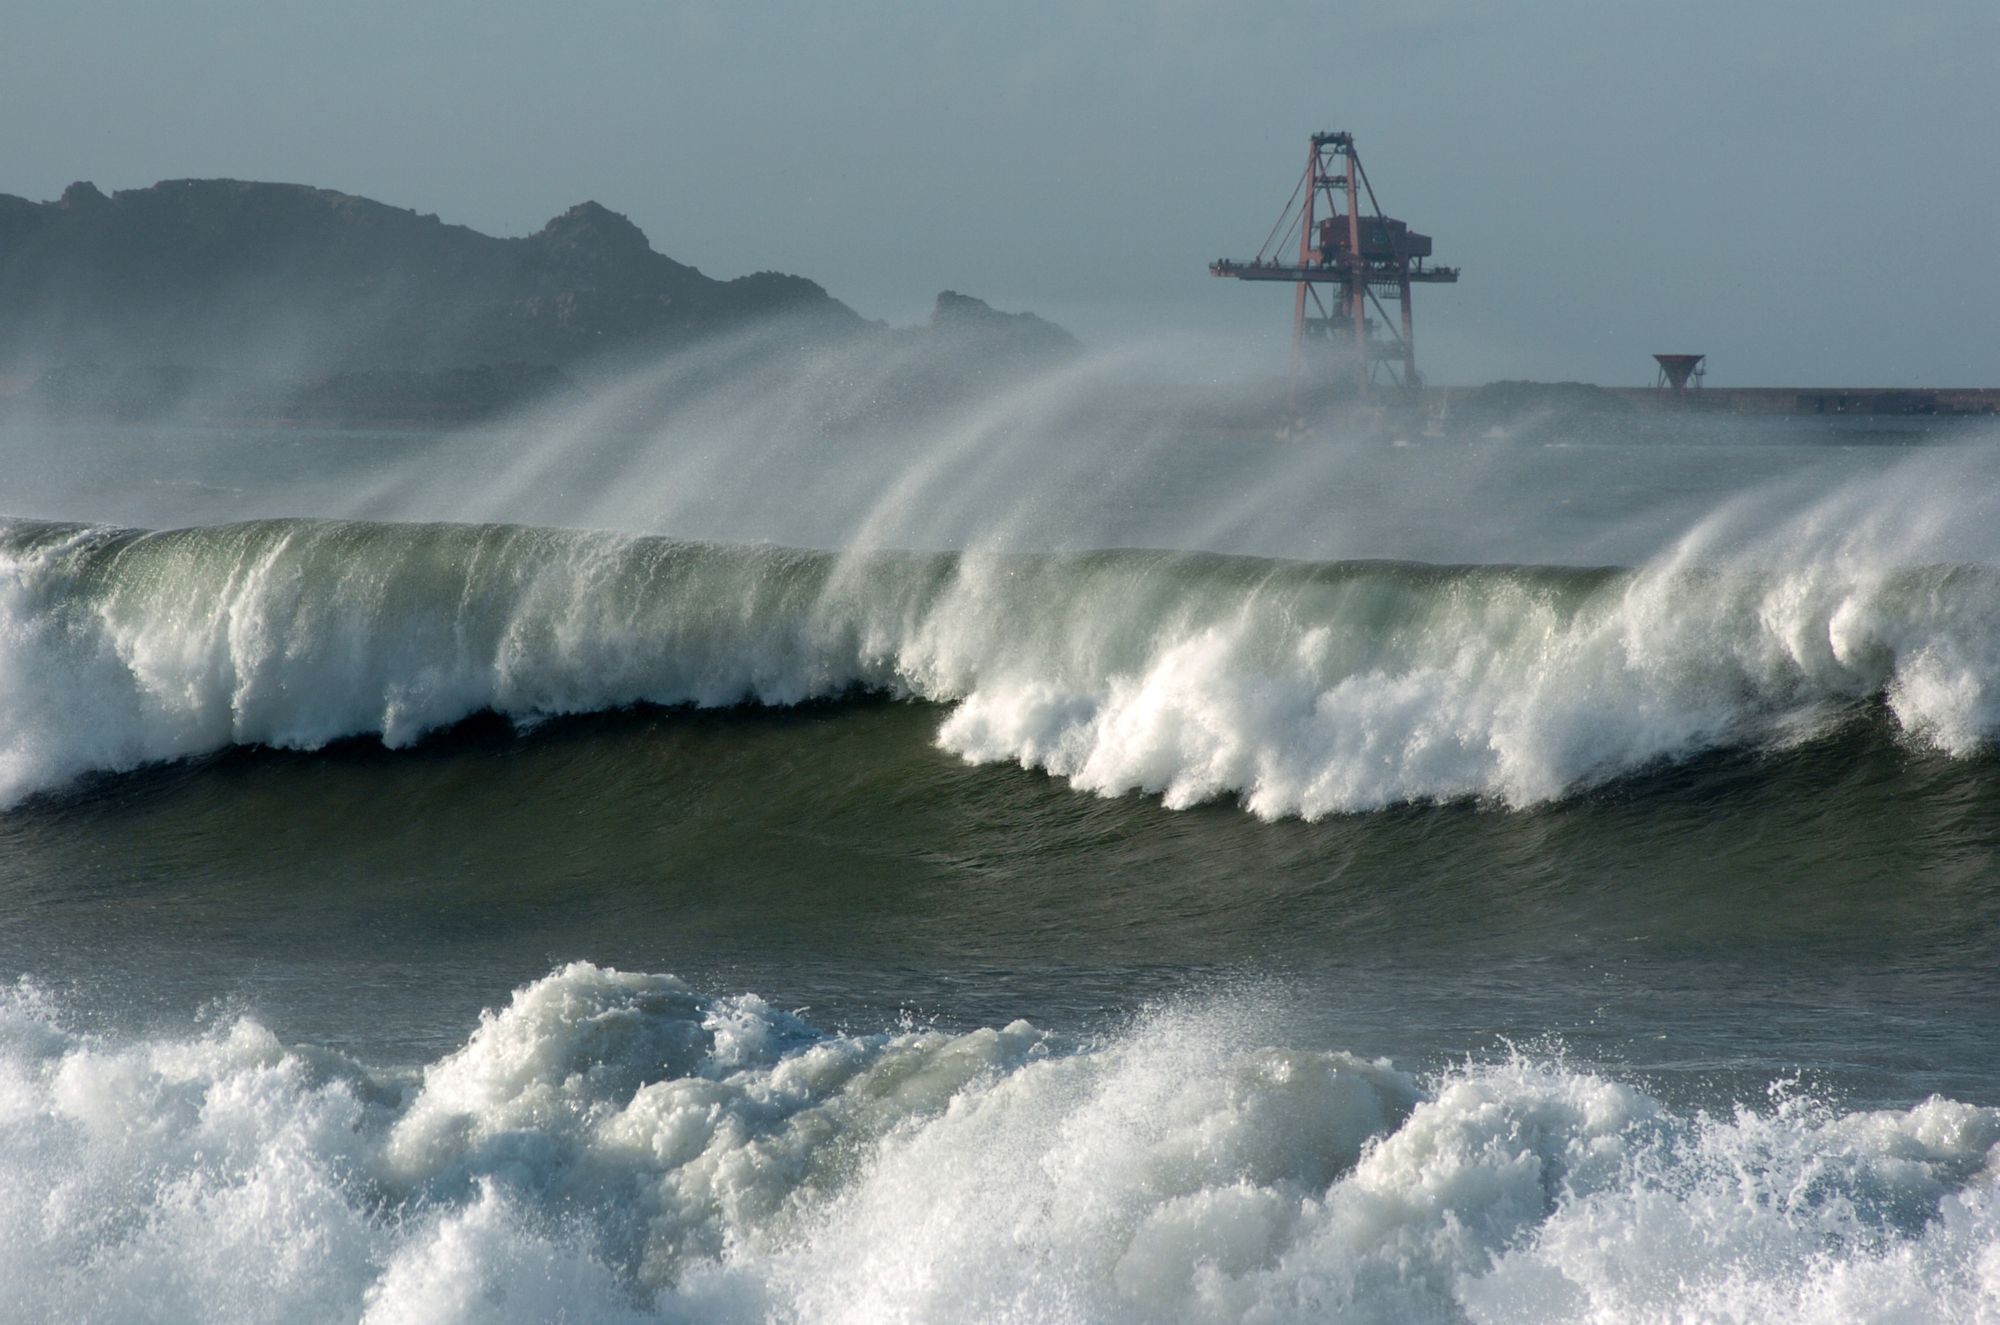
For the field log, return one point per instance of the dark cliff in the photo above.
(226, 272)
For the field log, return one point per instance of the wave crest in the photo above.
(1301, 689)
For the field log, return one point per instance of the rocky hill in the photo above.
(974, 322)
(224, 273)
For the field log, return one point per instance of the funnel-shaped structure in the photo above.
(1677, 369)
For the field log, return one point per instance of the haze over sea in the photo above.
(1041, 864)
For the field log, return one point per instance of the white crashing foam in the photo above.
(617, 1147)
(1301, 690)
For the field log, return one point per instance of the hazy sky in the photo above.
(1807, 192)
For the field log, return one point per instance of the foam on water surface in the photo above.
(614, 1146)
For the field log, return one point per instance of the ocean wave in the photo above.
(618, 1146)
(1299, 689)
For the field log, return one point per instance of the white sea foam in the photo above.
(1300, 690)
(611, 1146)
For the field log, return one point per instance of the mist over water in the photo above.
(1115, 863)
(760, 440)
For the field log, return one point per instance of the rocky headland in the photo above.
(283, 302)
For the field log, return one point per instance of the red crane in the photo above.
(1361, 255)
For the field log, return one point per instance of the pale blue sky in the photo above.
(1808, 192)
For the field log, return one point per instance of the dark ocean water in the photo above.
(450, 878)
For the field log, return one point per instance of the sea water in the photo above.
(1093, 877)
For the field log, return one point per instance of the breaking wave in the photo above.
(1300, 689)
(616, 1146)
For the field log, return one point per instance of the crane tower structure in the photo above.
(1359, 256)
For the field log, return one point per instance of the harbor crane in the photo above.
(1359, 256)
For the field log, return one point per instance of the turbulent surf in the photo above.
(1488, 883)
(1299, 689)
(616, 1146)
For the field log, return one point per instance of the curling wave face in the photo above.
(1300, 689)
(617, 1146)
